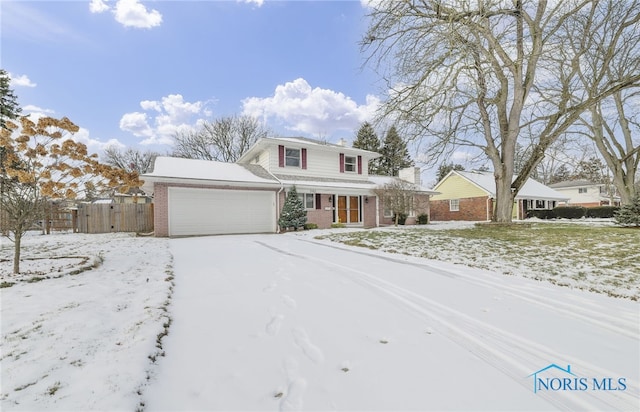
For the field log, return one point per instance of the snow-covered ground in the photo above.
(287, 322)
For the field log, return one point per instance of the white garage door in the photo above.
(215, 212)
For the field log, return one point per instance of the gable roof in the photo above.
(531, 189)
(175, 169)
(300, 142)
(574, 183)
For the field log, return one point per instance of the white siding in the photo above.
(320, 164)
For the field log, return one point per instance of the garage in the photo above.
(196, 211)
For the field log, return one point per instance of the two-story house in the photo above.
(586, 193)
(198, 197)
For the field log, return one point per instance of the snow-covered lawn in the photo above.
(82, 341)
(592, 255)
(288, 322)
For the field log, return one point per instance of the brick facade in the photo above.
(471, 209)
(422, 206)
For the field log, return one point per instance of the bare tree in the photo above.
(397, 196)
(225, 140)
(131, 160)
(484, 74)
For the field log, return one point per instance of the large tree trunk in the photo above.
(503, 210)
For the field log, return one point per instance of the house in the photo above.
(469, 195)
(198, 197)
(586, 193)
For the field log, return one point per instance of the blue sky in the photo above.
(132, 72)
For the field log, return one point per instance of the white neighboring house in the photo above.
(586, 193)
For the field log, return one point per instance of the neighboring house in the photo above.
(198, 197)
(586, 193)
(469, 195)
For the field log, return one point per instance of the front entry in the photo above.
(349, 209)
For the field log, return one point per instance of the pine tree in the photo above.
(293, 212)
(9, 108)
(445, 168)
(367, 139)
(629, 214)
(395, 155)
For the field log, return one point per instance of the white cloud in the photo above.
(129, 13)
(98, 6)
(94, 145)
(311, 110)
(256, 2)
(170, 115)
(22, 80)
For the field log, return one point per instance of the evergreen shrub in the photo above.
(602, 211)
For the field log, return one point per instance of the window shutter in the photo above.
(359, 165)
(303, 154)
(281, 156)
(341, 162)
(318, 199)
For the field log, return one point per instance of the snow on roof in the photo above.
(383, 180)
(573, 183)
(178, 168)
(531, 189)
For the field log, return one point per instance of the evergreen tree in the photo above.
(395, 155)
(293, 212)
(561, 174)
(445, 168)
(629, 214)
(9, 108)
(592, 170)
(367, 139)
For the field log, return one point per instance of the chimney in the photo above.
(342, 142)
(411, 175)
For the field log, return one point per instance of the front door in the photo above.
(348, 209)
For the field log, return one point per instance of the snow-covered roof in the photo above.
(383, 180)
(177, 168)
(573, 183)
(531, 189)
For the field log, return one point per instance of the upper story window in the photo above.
(350, 164)
(288, 157)
(292, 157)
(582, 190)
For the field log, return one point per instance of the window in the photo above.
(350, 164)
(541, 204)
(292, 157)
(454, 205)
(308, 200)
(582, 190)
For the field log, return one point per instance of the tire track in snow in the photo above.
(493, 345)
(596, 317)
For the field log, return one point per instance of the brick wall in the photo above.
(472, 209)
(369, 211)
(422, 205)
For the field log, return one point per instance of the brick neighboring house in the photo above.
(198, 197)
(469, 195)
(586, 193)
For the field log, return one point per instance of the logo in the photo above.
(555, 378)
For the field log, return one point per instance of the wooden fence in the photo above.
(125, 217)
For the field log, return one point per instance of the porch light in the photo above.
(330, 198)
(366, 199)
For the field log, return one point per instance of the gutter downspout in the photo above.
(277, 200)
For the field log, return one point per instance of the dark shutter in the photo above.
(303, 154)
(341, 162)
(359, 165)
(318, 199)
(281, 156)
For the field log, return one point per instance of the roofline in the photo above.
(210, 182)
(264, 142)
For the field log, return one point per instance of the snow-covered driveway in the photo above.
(284, 322)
